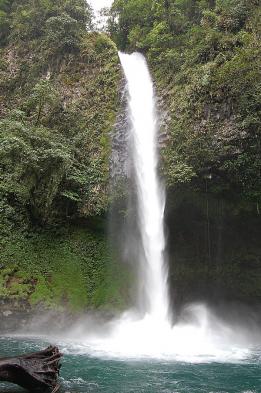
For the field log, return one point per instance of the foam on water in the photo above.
(204, 339)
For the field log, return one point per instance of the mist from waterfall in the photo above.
(143, 128)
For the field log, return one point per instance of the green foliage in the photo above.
(60, 22)
(32, 167)
(62, 34)
(38, 267)
(153, 22)
(55, 144)
(44, 97)
(58, 102)
(126, 17)
(5, 6)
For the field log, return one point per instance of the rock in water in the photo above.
(39, 370)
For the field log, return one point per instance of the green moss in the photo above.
(15, 284)
(70, 268)
(42, 294)
(113, 291)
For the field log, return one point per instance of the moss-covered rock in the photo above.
(71, 269)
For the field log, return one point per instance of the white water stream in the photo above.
(150, 193)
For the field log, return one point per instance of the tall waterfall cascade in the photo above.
(198, 335)
(150, 193)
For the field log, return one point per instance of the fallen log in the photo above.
(35, 371)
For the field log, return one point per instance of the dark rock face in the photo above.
(214, 251)
(20, 316)
(14, 315)
(119, 166)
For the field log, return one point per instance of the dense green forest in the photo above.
(59, 97)
(58, 102)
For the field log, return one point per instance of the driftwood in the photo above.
(35, 371)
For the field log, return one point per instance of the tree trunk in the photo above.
(37, 370)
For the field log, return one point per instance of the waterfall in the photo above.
(198, 335)
(150, 193)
